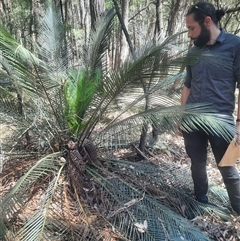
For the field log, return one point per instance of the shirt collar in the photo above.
(221, 37)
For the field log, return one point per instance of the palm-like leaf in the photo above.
(16, 61)
(171, 185)
(78, 92)
(138, 72)
(166, 119)
(129, 208)
(51, 46)
(17, 199)
(40, 79)
(94, 54)
(133, 73)
(39, 220)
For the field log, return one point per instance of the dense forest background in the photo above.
(139, 21)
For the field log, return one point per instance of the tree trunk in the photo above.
(173, 17)
(3, 12)
(82, 12)
(123, 44)
(96, 9)
(124, 28)
(158, 21)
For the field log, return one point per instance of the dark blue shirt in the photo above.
(213, 72)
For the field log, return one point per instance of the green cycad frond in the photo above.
(167, 119)
(159, 93)
(95, 51)
(40, 76)
(11, 48)
(133, 73)
(79, 90)
(39, 220)
(17, 61)
(17, 197)
(51, 46)
(52, 50)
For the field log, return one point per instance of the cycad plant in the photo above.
(70, 191)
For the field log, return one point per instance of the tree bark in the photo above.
(157, 23)
(82, 12)
(173, 18)
(96, 9)
(123, 44)
(3, 12)
(124, 28)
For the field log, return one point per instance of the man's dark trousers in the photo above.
(196, 143)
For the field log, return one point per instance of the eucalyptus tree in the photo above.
(70, 191)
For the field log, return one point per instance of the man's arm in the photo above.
(185, 94)
(238, 120)
(184, 97)
(238, 107)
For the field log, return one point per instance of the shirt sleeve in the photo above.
(188, 78)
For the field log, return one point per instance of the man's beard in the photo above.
(203, 37)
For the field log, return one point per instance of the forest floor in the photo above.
(172, 150)
(169, 148)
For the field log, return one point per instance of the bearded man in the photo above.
(212, 77)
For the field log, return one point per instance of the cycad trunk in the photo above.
(76, 168)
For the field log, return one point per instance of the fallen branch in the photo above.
(140, 152)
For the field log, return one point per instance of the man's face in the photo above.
(199, 34)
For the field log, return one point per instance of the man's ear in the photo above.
(207, 21)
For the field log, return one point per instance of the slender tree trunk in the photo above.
(117, 50)
(124, 28)
(96, 9)
(86, 21)
(173, 18)
(157, 23)
(142, 142)
(2, 12)
(82, 13)
(151, 82)
(63, 7)
(31, 24)
(178, 10)
(8, 10)
(124, 45)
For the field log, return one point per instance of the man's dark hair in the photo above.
(203, 9)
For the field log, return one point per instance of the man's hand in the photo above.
(237, 133)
